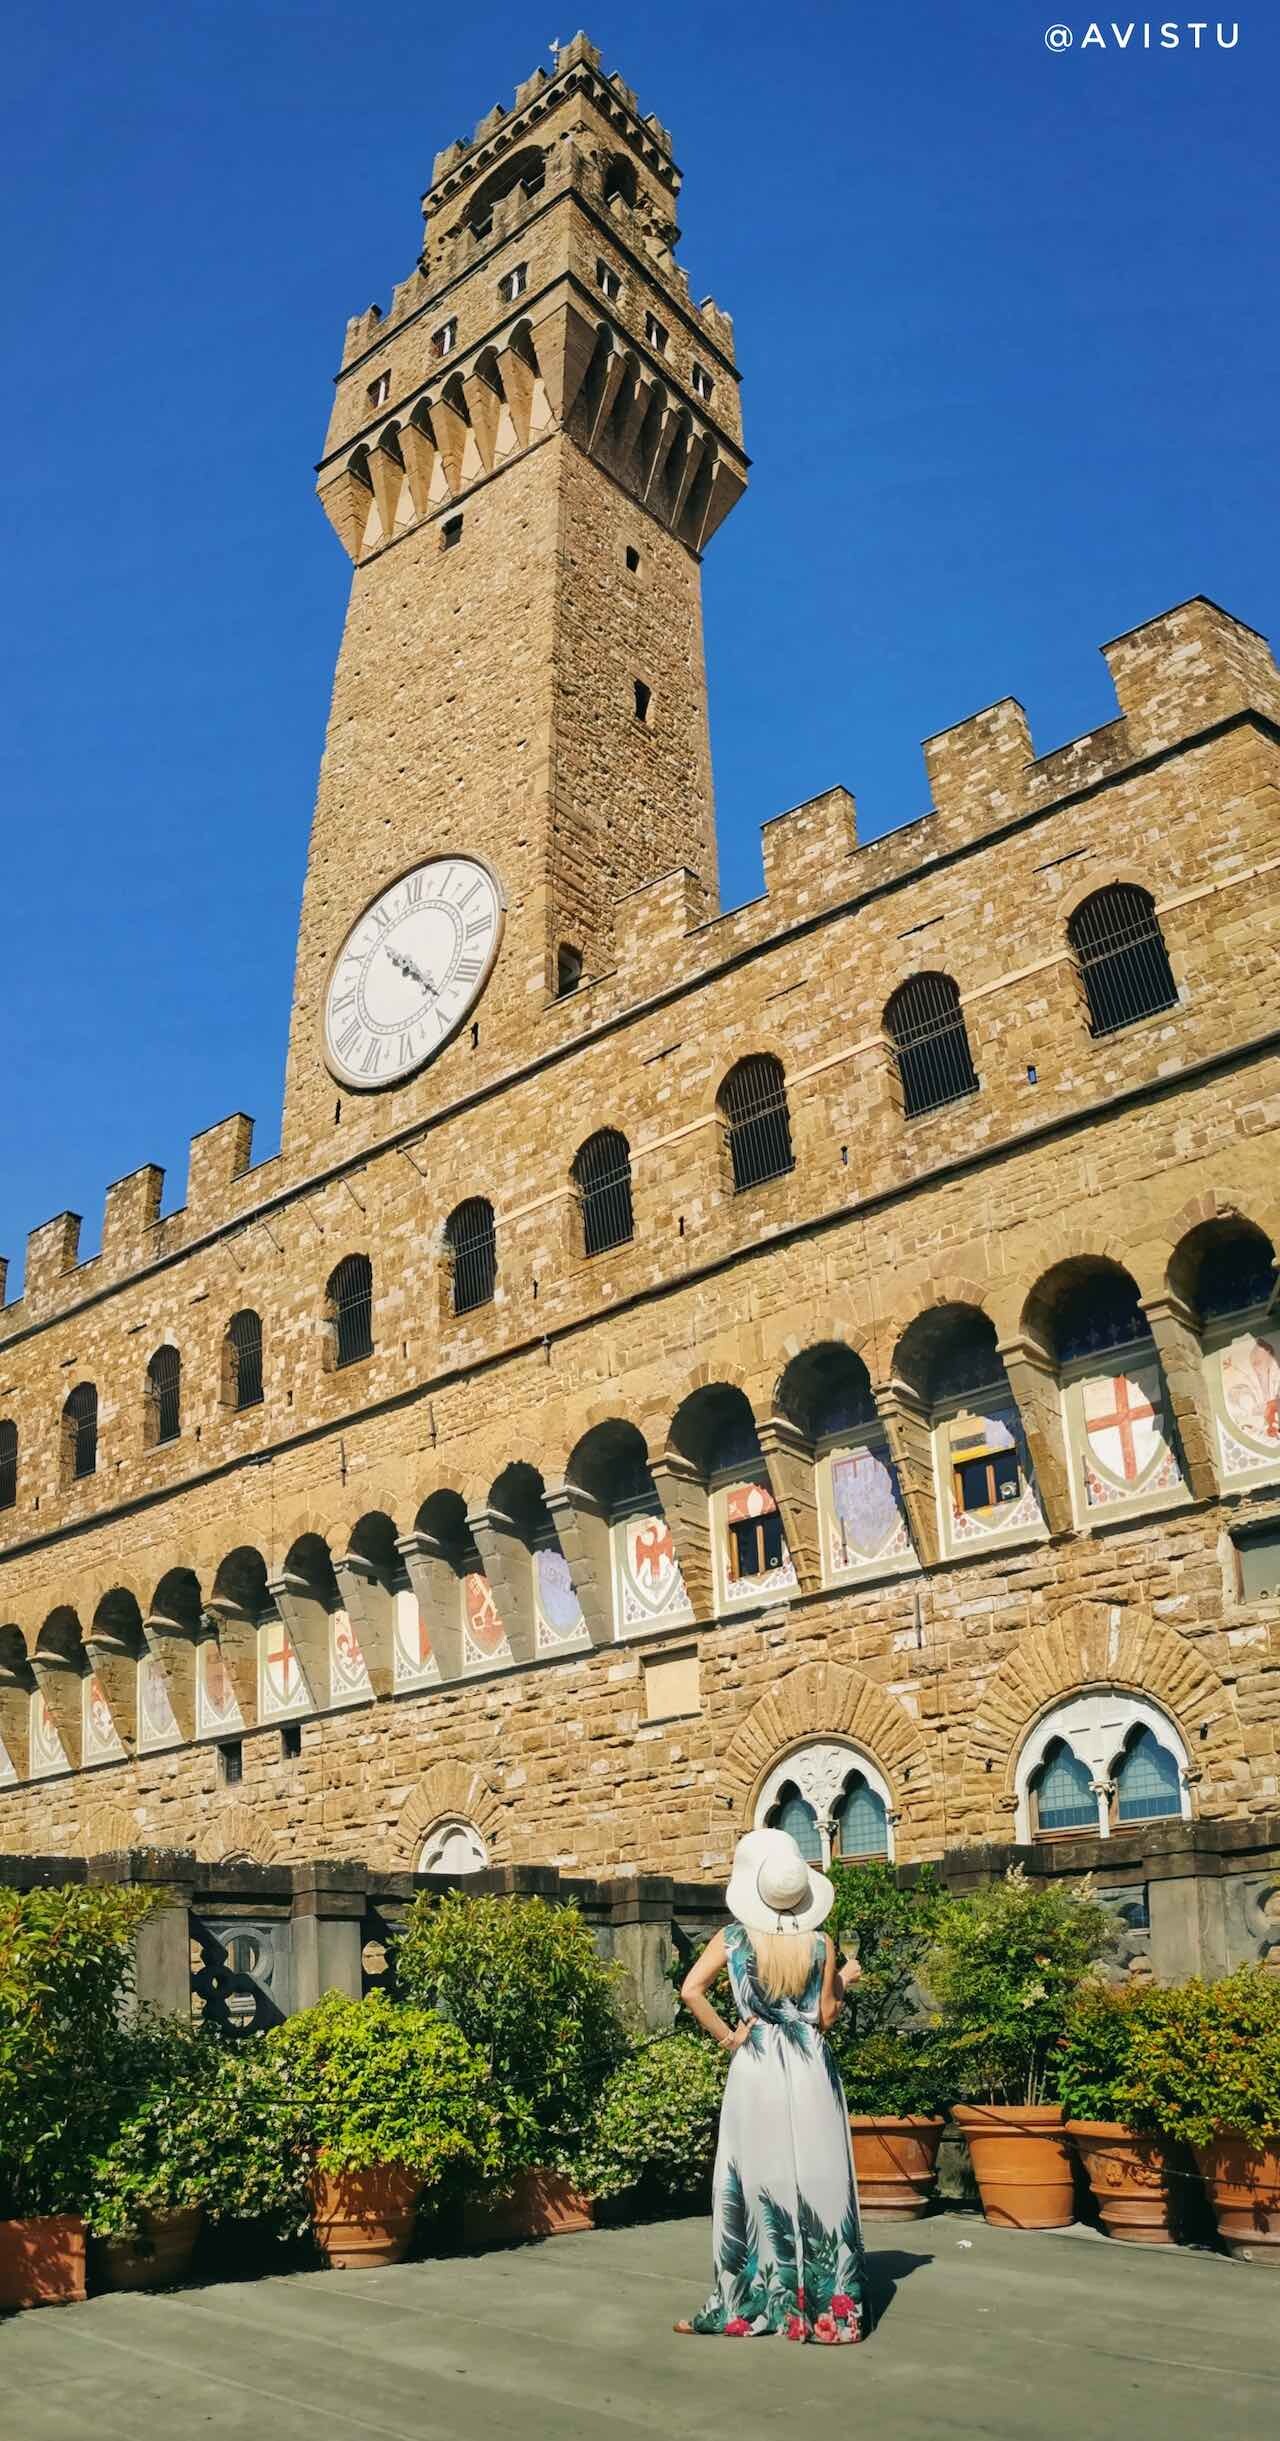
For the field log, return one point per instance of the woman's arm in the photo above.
(694, 1990)
(836, 1982)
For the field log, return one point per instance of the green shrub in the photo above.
(1204, 2060)
(653, 2129)
(202, 2120)
(1005, 1967)
(526, 1985)
(896, 2074)
(1093, 2061)
(374, 2082)
(66, 1969)
(892, 1926)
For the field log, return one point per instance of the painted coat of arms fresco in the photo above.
(558, 1607)
(157, 1724)
(1127, 1449)
(348, 1673)
(217, 1711)
(992, 1487)
(46, 1746)
(1249, 1371)
(649, 1583)
(867, 1521)
(98, 1740)
(414, 1660)
(484, 1638)
(282, 1685)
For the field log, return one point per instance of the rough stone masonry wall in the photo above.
(1123, 1146)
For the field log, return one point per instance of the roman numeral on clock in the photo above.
(467, 970)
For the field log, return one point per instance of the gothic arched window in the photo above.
(244, 1360)
(757, 1122)
(1121, 957)
(350, 1307)
(1062, 1793)
(80, 1432)
(471, 1248)
(859, 1823)
(164, 1396)
(794, 1814)
(1148, 1783)
(925, 1024)
(602, 1175)
(832, 1799)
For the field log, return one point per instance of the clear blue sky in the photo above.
(1008, 327)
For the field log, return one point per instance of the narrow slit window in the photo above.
(81, 1418)
(8, 1464)
(514, 282)
(164, 1393)
(656, 333)
(643, 699)
(451, 532)
(609, 282)
(380, 390)
(444, 340)
(703, 384)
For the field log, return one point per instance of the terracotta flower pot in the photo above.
(364, 2218)
(540, 2204)
(1022, 2163)
(1244, 2190)
(1129, 2175)
(42, 2260)
(896, 2163)
(158, 2256)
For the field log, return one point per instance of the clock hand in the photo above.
(406, 966)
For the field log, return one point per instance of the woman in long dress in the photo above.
(787, 2242)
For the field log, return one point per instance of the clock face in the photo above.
(410, 969)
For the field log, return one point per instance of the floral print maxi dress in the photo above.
(786, 2238)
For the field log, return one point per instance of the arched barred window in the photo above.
(350, 1309)
(753, 1107)
(602, 1175)
(925, 1025)
(472, 1252)
(1121, 957)
(164, 1396)
(244, 1360)
(80, 1432)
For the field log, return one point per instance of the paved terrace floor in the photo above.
(982, 2333)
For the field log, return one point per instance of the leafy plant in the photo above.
(526, 1985)
(1094, 2059)
(893, 1926)
(1204, 2060)
(898, 2074)
(653, 2128)
(202, 2121)
(66, 1970)
(1006, 1966)
(373, 2082)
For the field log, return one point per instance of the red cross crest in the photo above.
(1130, 1409)
(285, 1663)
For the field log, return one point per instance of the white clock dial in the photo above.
(410, 969)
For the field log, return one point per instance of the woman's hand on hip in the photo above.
(740, 2035)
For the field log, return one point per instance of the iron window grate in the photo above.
(602, 1175)
(164, 1388)
(473, 1255)
(245, 1334)
(82, 1418)
(1121, 957)
(753, 1102)
(351, 1298)
(930, 1044)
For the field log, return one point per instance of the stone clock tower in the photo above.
(527, 454)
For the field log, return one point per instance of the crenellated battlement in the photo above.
(1176, 676)
(577, 66)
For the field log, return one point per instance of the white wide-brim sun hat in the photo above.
(772, 1889)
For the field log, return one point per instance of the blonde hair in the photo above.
(784, 1962)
